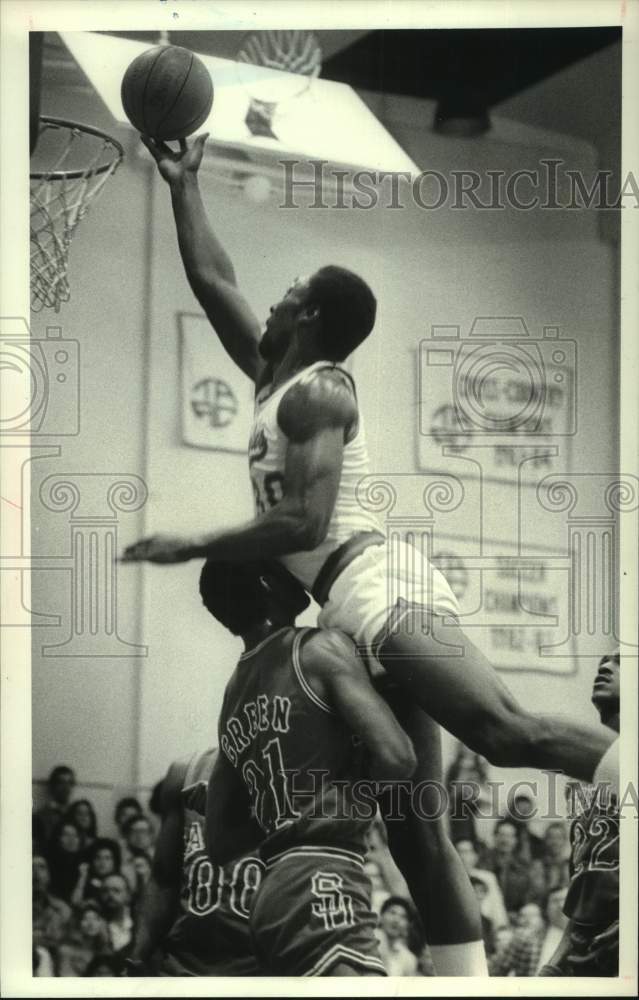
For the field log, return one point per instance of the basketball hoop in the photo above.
(275, 67)
(70, 166)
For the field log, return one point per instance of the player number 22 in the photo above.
(593, 847)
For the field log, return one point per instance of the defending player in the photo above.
(210, 935)
(307, 455)
(590, 945)
(286, 732)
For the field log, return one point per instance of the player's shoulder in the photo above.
(326, 650)
(323, 397)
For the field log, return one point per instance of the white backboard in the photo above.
(328, 121)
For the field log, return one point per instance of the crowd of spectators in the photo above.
(86, 886)
(520, 876)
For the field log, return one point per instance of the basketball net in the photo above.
(75, 167)
(275, 67)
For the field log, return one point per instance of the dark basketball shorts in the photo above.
(187, 965)
(581, 938)
(312, 912)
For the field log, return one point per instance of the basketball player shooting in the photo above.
(306, 456)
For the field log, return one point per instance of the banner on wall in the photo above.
(517, 611)
(500, 395)
(217, 398)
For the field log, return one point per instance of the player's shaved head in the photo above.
(242, 595)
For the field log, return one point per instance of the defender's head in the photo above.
(334, 310)
(605, 690)
(244, 595)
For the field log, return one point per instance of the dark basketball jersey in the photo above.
(593, 894)
(297, 758)
(211, 936)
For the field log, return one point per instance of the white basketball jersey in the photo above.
(267, 457)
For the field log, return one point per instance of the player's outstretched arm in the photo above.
(159, 903)
(338, 675)
(208, 267)
(316, 419)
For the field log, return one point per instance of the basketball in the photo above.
(167, 92)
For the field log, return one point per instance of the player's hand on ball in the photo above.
(158, 549)
(172, 164)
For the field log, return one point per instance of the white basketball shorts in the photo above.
(378, 588)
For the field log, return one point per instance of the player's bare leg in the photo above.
(461, 690)
(425, 855)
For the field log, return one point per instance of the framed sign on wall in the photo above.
(502, 396)
(216, 397)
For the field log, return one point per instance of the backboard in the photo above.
(328, 121)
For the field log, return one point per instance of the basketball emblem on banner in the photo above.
(214, 400)
(217, 398)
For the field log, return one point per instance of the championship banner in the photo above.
(217, 398)
(516, 610)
